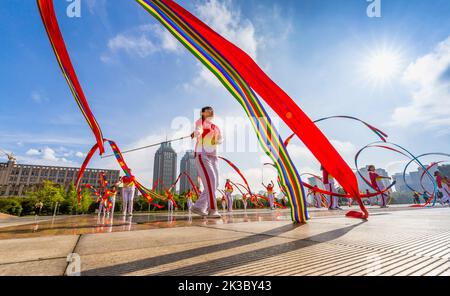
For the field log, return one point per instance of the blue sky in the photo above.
(142, 85)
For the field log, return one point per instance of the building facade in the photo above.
(188, 166)
(415, 180)
(165, 167)
(17, 179)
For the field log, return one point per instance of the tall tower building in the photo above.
(165, 167)
(188, 165)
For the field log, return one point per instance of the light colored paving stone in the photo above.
(28, 249)
(51, 267)
(171, 258)
(123, 241)
(408, 242)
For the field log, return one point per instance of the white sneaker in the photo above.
(199, 212)
(214, 214)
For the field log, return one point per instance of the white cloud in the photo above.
(94, 5)
(42, 139)
(49, 154)
(38, 97)
(142, 41)
(225, 19)
(46, 156)
(80, 154)
(139, 45)
(430, 90)
(346, 149)
(33, 152)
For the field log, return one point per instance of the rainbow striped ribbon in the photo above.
(268, 137)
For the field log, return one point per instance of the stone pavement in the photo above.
(394, 241)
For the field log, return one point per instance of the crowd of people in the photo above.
(208, 136)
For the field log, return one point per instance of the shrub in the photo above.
(10, 206)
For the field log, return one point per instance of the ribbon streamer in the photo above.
(434, 195)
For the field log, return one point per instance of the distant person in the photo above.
(317, 197)
(102, 206)
(371, 200)
(328, 181)
(189, 202)
(270, 194)
(111, 201)
(228, 195)
(244, 201)
(425, 196)
(224, 202)
(442, 183)
(38, 208)
(446, 188)
(377, 183)
(128, 191)
(416, 196)
(170, 202)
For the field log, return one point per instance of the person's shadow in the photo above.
(219, 265)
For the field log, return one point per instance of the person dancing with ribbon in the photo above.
(317, 197)
(328, 181)
(244, 201)
(170, 201)
(376, 182)
(224, 203)
(208, 137)
(270, 194)
(101, 206)
(442, 184)
(228, 195)
(128, 190)
(189, 202)
(111, 201)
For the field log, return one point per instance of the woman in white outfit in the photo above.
(128, 190)
(328, 181)
(208, 137)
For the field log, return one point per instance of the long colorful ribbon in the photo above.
(434, 195)
(403, 151)
(146, 193)
(239, 74)
(193, 185)
(48, 16)
(169, 14)
(375, 130)
(427, 170)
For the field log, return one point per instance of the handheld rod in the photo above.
(148, 146)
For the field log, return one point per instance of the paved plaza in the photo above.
(396, 241)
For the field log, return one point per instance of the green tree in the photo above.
(68, 206)
(402, 197)
(28, 205)
(10, 206)
(86, 202)
(50, 194)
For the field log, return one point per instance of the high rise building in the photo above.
(165, 167)
(17, 179)
(188, 166)
(415, 180)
